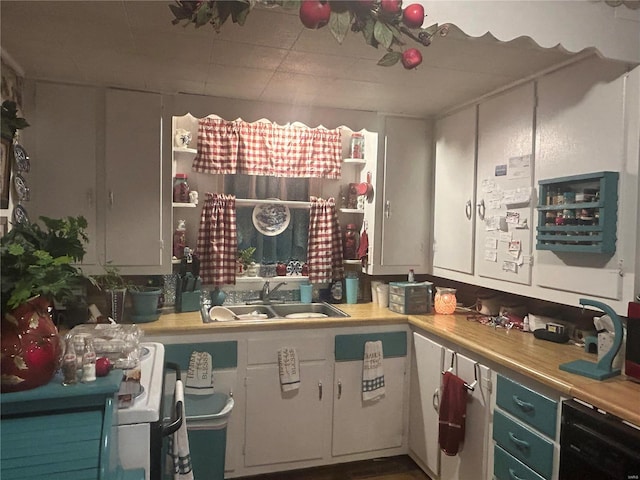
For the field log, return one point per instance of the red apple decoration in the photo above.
(413, 15)
(315, 13)
(411, 58)
(391, 6)
(30, 347)
(103, 367)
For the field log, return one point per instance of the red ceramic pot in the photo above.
(30, 347)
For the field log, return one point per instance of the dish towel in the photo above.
(372, 371)
(453, 411)
(178, 451)
(289, 369)
(200, 374)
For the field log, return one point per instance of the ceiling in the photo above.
(272, 58)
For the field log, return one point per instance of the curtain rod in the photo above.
(250, 202)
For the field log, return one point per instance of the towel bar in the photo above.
(476, 367)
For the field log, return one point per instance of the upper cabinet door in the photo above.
(133, 165)
(504, 191)
(63, 152)
(402, 211)
(454, 186)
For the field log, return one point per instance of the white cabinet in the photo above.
(455, 198)
(365, 426)
(360, 426)
(62, 145)
(505, 175)
(398, 235)
(97, 153)
(431, 359)
(287, 427)
(133, 180)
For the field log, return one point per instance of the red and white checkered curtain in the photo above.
(217, 245)
(265, 148)
(324, 255)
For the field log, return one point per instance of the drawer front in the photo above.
(223, 354)
(507, 467)
(527, 446)
(351, 347)
(309, 348)
(51, 446)
(527, 405)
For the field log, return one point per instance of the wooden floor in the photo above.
(391, 468)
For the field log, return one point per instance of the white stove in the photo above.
(143, 419)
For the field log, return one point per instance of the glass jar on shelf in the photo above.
(180, 188)
(349, 246)
(357, 145)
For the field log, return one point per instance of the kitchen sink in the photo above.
(282, 310)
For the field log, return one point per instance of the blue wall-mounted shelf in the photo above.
(578, 213)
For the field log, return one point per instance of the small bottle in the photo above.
(88, 362)
(69, 363)
(411, 276)
(180, 188)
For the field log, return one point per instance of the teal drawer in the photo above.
(68, 445)
(351, 347)
(527, 405)
(223, 354)
(527, 446)
(506, 467)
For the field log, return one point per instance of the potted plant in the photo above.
(245, 259)
(115, 289)
(36, 266)
(144, 302)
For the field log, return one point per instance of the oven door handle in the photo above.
(176, 422)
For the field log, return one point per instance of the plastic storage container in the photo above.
(410, 297)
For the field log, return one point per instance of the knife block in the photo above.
(189, 301)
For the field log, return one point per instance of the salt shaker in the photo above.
(88, 362)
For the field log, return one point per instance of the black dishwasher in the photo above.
(597, 446)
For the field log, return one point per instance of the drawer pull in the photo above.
(521, 444)
(319, 390)
(513, 476)
(524, 406)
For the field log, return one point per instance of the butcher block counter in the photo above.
(515, 350)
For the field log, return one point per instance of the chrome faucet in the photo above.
(265, 296)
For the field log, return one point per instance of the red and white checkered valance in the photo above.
(266, 148)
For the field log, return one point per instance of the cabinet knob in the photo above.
(339, 389)
(387, 209)
(468, 209)
(111, 198)
(319, 390)
(435, 400)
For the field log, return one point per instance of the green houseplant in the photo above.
(37, 267)
(114, 287)
(245, 259)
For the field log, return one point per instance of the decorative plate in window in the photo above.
(271, 219)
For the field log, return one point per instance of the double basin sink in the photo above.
(274, 311)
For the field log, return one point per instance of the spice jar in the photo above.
(88, 362)
(357, 145)
(180, 188)
(349, 242)
(69, 363)
(445, 300)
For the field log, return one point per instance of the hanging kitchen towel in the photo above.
(453, 411)
(178, 451)
(363, 246)
(200, 374)
(372, 371)
(289, 369)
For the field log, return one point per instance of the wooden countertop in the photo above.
(513, 349)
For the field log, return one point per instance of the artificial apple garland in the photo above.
(382, 22)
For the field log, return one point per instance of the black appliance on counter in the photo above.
(597, 446)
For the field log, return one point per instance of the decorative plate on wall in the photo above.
(271, 219)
